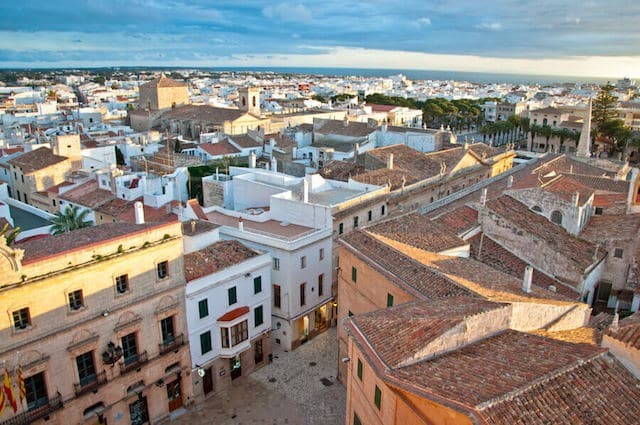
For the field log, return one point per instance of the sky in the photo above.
(588, 38)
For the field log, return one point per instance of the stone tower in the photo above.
(249, 100)
(584, 145)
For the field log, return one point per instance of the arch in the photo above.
(556, 217)
(82, 336)
(166, 303)
(126, 318)
(31, 356)
(536, 208)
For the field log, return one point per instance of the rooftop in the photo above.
(36, 160)
(223, 147)
(612, 228)
(270, 228)
(628, 331)
(203, 113)
(216, 257)
(343, 128)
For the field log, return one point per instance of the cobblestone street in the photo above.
(298, 388)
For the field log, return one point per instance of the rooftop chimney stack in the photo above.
(575, 200)
(240, 224)
(526, 281)
(483, 197)
(274, 164)
(138, 209)
(305, 191)
(252, 160)
(509, 181)
(390, 161)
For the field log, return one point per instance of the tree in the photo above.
(604, 107)
(534, 129)
(71, 219)
(547, 132)
(9, 235)
(319, 98)
(617, 132)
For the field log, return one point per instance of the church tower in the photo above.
(249, 100)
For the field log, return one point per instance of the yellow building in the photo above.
(163, 93)
(96, 318)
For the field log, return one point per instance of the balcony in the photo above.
(33, 415)
(134, 363)
(171, 344)
(90, 384)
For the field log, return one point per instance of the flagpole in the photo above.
(20, 383)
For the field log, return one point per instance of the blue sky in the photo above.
(501, 35)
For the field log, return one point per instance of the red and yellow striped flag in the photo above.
(9, 392)
(3, 402)
(23, 390)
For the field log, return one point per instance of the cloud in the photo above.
(491, 26)
(287, 12)
(424, 21)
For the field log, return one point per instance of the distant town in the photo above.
(213, 246)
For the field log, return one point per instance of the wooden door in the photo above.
(174, 395)
(207, 381)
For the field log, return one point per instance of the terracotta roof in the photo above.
(547, 111)
(88, 195)
(381, 108)
(628, 331)
(565, 187)
(272, 228)
(204, 113)
(575, 249)
(340, 170)
(197, 209)
(563, 164)
(609, 200)
(603, 228)
(163, 81)
(36, 160)
(338, 127)
(409, 274)
(396, 129)
(399, 334)
(80, 239)
(223, 147)
(282, 141)
(234, 314)
(418, 231)
(600, 391)
(601, 184)
(245, 141)
(216, 257)
(459, 220)
(201, 226)
(56, 188)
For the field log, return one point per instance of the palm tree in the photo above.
(71, 219)
(9, 236)
(534, 129)
(547, 132)
(564, 134)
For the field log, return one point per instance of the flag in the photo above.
(23, 391)
(3, 402)
(8, 392)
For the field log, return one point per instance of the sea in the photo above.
(412, 74)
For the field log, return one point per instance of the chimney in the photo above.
(614, 323)
(526, 281)
(509, 181)
(345, 122)
(466, 145)
(193, 226)
(571, 169)
(138, 210)
(274, 164)
(252, 160)
(240, 224)
(390, 161)
(575, 199)
(356, 148)
(305, 191)
(483, 197)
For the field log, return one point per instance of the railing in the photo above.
(171, 344)
(141, 359)
(39, 412)
(94, 384)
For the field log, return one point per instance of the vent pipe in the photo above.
(526, 280)
(138, 209)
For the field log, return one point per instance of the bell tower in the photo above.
(249, 100)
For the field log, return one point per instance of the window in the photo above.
(257, 285)
(303, 262)
(233, 297)
(163, 269)
(276, 264)
(257, 316)
(86, 368)
(276, 296)
(75, 300)
(384, 207)
(129, 348)
(321, 254)
(235, 335)
(377, 397)
(303, 300)
(389, 300)
(359, 370)
(205, 342)
(54, 202)
(618, 252)
(320, 284)
(341, 228)
(599, 210)
(21, 319)
(369, 215)
(354, 274)
(203, 308)
(556, 217)
(122, 283)
(166, 326)
(356, 419)
(36, 391)
(355, 222)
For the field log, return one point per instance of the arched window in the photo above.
(556, 217)
(253, 101)
(244, 101)
(537, 209)
(544, 121)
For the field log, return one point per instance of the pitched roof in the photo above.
(204, 113)
(343, 128)
(216, 257)
(223, 147)
(340, 170)
(163, 81)
(628, 331)
(36, 160)
(88, 194)
(459, 220)
(603, 228)
(245, 141)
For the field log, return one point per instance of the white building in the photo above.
(228, 302)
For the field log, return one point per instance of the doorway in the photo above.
(138, 411)
(236, 367)
(174, 395)
(207, 381)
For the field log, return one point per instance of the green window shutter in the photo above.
(377, 397)
(203, 308)
(389, 300)
(257, 316)
(359, 369)
(354, 274)
(257, 284)
(232, 296)
(356, 419)
(350, 313)
(205, 342)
